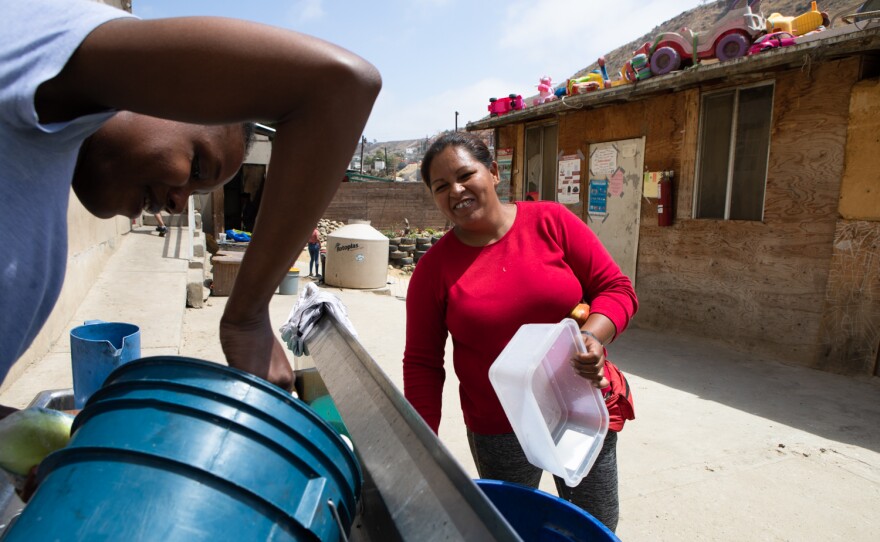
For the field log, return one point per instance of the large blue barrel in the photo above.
(175, 449)
(536, 515)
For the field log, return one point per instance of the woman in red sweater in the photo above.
(504, 265)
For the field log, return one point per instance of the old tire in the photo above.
(405, 261)
(396, 255)
(731, 46)
(665, 60)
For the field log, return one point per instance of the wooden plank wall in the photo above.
(756, 285)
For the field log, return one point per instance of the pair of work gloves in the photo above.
(26, 437)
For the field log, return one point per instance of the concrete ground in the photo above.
(724, 447)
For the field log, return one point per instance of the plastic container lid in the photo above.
(559, 417)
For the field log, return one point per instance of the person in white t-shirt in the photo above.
(136, 115)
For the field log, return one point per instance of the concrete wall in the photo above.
(385, 205)
(91, 241)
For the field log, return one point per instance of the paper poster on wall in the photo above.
(598, 197)
(651, 187)
(568, 182)
(504, 158)
(603, 162)
(616, 182)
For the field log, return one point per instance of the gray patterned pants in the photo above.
(500, 457)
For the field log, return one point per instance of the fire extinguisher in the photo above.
(664, 206)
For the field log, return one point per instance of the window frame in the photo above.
(731, 150)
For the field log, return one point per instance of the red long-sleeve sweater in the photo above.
(545, 265)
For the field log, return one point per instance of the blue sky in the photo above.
(441, 56)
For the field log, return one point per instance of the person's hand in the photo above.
(252, 347)
(592, 364)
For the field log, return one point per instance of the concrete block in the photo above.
(195, 295)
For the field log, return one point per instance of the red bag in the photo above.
(618, 399)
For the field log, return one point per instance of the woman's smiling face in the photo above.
(463, 188)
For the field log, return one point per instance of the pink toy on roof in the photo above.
(545, 91)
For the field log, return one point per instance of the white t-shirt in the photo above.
(37, 37)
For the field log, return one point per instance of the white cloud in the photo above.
(562, 36)
(303, 11)
(396, 117)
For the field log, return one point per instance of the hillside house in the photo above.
(774, 243)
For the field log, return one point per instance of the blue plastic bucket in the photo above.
(96, 349)
(536, 515)
(175, 449)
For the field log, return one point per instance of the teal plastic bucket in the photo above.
(536, 515)
(96, 349)
(175, 449)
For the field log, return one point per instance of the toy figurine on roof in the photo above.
(545, 91)
(611, 83)
(594, 80)
(804, 23)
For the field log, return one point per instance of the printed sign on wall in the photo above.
(651, 188)
(598, 197)
(603, 162)
(568, 183)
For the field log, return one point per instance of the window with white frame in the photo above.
(733, 152)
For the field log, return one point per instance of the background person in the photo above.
(161, 228)
(478, 284)
(314, 251)
(137, 115)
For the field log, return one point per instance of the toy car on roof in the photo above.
(728, 39)
(772, 41)
(500, 106)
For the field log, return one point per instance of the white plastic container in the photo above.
(559, 418)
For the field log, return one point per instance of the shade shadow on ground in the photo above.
(840, 408)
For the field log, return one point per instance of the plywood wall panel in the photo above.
(860, 190)
(808, 139)
(850, 328)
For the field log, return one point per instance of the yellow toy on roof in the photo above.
(800, 25)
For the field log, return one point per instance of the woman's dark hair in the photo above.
(471, 143)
